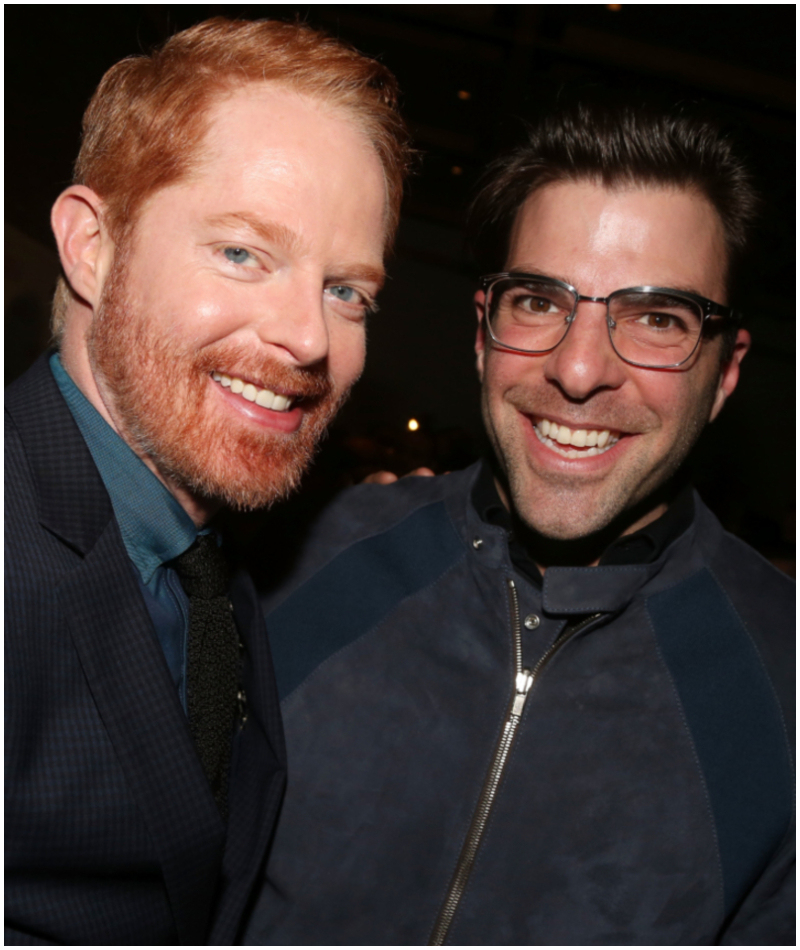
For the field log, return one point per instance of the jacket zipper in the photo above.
(523, 683)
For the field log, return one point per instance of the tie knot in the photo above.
(202, 569)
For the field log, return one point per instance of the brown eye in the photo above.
(659, 321)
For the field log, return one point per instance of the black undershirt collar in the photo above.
(641, 547)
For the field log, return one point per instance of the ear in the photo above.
(729, 375)
(480, 338)
(84, 245)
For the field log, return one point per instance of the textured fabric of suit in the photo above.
(112, 832)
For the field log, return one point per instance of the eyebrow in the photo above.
(283, 236)
(269, 231)
(375, 275)
(519, 272)
(533, 272)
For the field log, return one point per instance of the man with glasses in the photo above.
(544, 700)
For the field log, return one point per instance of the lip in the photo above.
(287, 422)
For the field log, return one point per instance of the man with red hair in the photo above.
(221, 247)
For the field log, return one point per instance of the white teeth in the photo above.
(261, 397)
(265, 399)
(592, 441)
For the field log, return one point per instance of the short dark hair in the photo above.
(617, 143)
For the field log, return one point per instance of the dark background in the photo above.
(470, 75)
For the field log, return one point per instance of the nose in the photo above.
(294, 321)
(585, 361)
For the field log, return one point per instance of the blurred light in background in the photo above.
(413, 425)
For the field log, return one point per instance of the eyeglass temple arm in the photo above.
(719, 310)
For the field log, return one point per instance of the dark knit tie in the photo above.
(213, 665)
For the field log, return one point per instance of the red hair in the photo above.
(148, 116)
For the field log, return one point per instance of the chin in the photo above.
(245, 480)
(560, 530)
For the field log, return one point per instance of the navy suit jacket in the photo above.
(112, 832)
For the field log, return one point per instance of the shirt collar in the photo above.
(154, 527)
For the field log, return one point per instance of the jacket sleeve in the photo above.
(766, 917)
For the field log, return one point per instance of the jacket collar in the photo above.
(584, 590)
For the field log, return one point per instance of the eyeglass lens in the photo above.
(651, 329)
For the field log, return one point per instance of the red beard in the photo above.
(162, 405)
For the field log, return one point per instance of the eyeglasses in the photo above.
(655, 327)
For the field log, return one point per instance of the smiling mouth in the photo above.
(574, 443)
(265, 398)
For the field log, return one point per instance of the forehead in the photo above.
(287, 157)
(268, 114)
(602, 239)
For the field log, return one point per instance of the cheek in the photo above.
(176, 289)
(200, 312)
(675, 399)
(503, 371)
(348, 348)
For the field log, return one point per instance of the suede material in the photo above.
(365, 584)
(590, 789)
(735, 724)
(602, 831)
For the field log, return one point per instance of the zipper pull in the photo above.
(523, 687)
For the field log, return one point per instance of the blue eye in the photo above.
(236, 255)
(346, 294)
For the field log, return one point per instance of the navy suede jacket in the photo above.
(476, 761)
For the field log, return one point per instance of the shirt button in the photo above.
(531, 622)
(477, 543)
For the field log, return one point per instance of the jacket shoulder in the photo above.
(421, 509)
(764, 599)
(367, 510)
(372, 550)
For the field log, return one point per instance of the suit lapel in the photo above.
(137, 701)
(258, 770)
